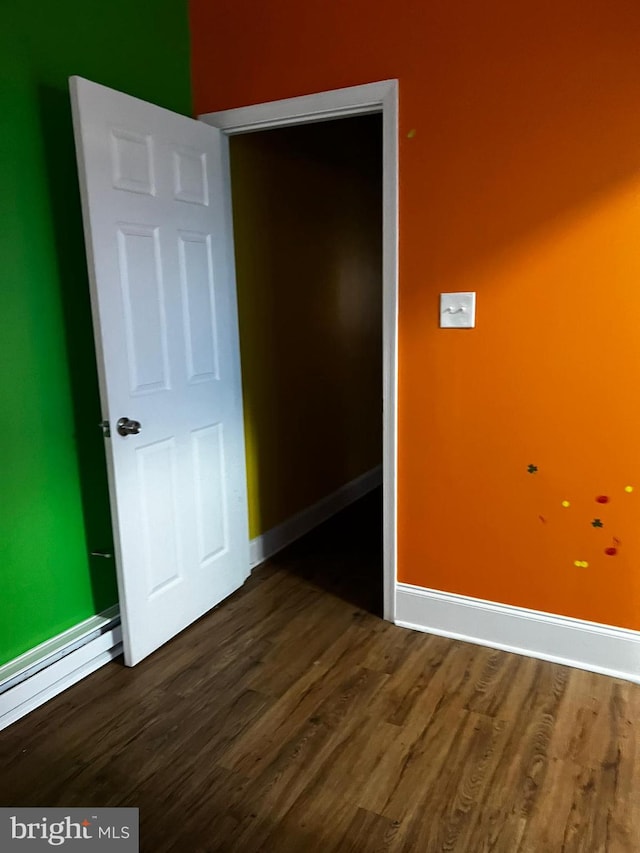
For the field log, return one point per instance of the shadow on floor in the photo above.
(343, 556)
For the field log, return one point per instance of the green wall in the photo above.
(53, 492)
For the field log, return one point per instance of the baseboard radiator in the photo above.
(48, 669)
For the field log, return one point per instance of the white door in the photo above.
(156, 205)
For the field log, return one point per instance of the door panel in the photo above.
(159, 244)
(198, 306)
(144, 310)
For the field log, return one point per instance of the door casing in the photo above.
(380, 97)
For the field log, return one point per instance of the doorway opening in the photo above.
(307, 217)
(372, 98)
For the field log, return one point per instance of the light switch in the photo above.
(457, 310)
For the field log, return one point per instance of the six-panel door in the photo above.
(159, 243)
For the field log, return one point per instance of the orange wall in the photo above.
(307, 211)
(522, 182)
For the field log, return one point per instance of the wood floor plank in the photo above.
(298, 703)
(292, 719)
(298, 760)
(461, 783)
(368, 831)
(519, 779)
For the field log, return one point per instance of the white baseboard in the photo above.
(274, 540)
(48, 669)
(561, 639)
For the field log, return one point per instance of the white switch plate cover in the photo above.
(458, 310)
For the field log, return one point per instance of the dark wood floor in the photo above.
(292, 718)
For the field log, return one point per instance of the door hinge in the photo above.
(106, 429)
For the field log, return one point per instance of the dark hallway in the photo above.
(343, 556)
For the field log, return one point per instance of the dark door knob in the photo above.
(128, 427)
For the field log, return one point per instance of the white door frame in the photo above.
(381, 97)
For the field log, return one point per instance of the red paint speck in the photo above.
(610, 552)
(602, 499)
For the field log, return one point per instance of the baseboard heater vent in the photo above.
(41, 673)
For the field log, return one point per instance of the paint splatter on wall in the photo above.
(597, 523)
